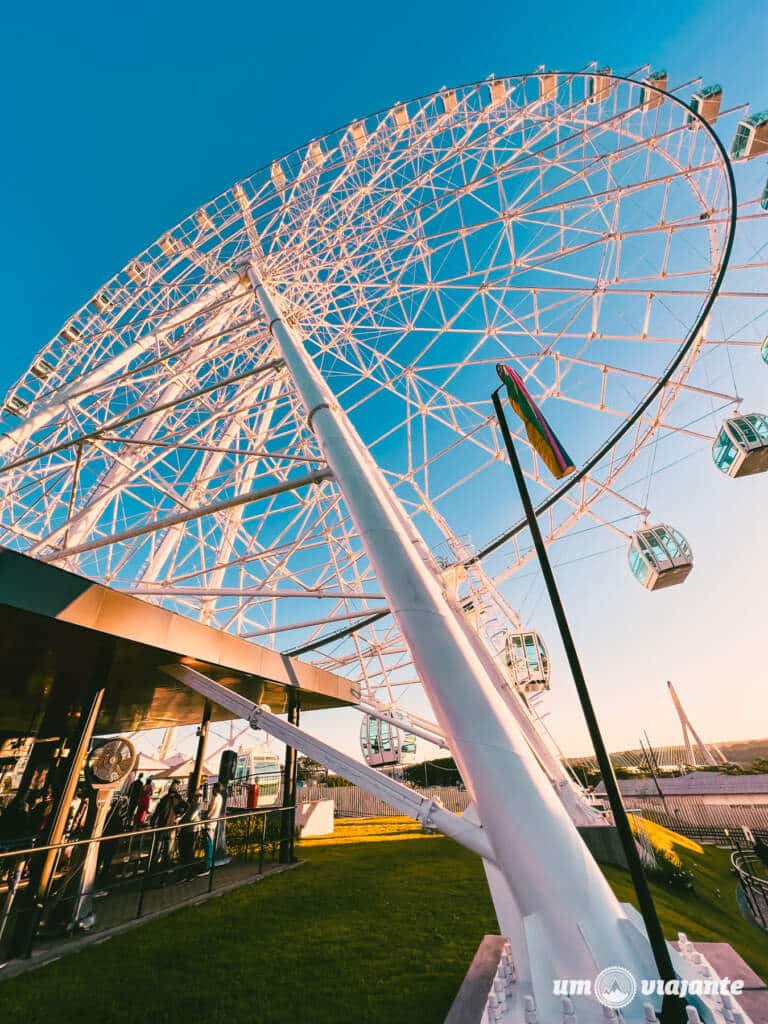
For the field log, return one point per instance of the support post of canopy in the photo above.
(572, 921)
(41, 870)
(288, 817)
(74, 768)
(202, 741)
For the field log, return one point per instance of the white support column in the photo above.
(687, 726)
(573, 923)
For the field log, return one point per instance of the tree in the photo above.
(308, 768)
(440, 772)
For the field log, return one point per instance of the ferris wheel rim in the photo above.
(510, 82)
(229, 267)
(623, 429)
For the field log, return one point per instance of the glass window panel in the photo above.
(685, 548)
(644, 544)
(658, 553)
(639, 566)
(668, 543)
(747, 430)
(760, 423)
(723, 452)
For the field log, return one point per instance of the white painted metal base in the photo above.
(512, 1000)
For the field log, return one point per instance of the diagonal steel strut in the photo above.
(422, 809)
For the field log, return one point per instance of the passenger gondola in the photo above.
(741, 446)
(527, 662)
(383, 745)
(659, 556)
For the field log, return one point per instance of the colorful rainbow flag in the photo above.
(539, 432)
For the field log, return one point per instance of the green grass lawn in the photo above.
(379, 924)
(709, 913)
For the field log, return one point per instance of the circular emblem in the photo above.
(615, 987)
(112, 761)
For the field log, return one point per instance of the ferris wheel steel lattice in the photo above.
(576, 226)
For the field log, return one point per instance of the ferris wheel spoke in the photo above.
(233, 522)
(97, 375)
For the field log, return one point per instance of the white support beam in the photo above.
(559, 897)
(168, 590)
(407, 801)
(195, 513)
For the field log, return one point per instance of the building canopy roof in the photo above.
(62, 635)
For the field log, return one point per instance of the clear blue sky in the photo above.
(120, 119)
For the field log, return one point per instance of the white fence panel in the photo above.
(353, 802)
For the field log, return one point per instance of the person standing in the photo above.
(145, 798)
(166, 812)
(213, 812)
(134, 795)
(14, 824)
(117, 822)
(188, 834)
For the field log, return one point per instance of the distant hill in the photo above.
(745, 751)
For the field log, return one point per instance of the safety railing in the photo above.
(50, 892)
(704, 822)
(752, 875)
(253, 792)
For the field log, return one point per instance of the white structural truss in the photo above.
(709, 755)
(277, 415)
(158, 442)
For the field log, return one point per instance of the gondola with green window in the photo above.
(527, 662)
(660, 556)
(741, 446)
(383, 745)
(706, 103)
(751, 137)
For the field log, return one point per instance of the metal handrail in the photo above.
(746, 858)
(144, 831)
(755, 889)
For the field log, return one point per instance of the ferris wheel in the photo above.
(582, 227)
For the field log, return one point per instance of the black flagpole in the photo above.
(673, 1007)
